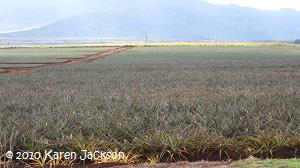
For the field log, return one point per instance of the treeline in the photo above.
(297, 41)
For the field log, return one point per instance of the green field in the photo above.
(157, 103)
(17, 57)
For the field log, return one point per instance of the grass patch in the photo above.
(275, 163)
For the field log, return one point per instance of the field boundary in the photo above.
(163, 44)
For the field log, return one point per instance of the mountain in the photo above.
(178, 20)
(21, 15)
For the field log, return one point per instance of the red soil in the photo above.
(200, 164)
(85, 59)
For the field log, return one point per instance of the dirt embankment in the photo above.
(201, 164)
(67, 61)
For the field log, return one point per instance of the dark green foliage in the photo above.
(161, 101)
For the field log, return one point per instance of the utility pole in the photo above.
(146, 38)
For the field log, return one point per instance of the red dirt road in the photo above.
(201, 164)
(85, 59)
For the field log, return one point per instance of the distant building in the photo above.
(297, 41)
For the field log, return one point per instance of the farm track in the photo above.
(200, 164)
(68, 61)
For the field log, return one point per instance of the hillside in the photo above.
(195, 20)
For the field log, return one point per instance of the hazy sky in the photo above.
(60, 6)
(23, 14)
(73, 5)
(262, 4)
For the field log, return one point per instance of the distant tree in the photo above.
(297, 41)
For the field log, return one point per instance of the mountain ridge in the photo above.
(192, 20)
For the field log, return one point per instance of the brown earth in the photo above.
(68, 61)
(201, 164)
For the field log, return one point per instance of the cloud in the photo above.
(261, 4)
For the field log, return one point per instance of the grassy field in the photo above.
(20, 57)
(156, 104)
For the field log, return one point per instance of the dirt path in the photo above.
(68, 61)
(202, 164)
